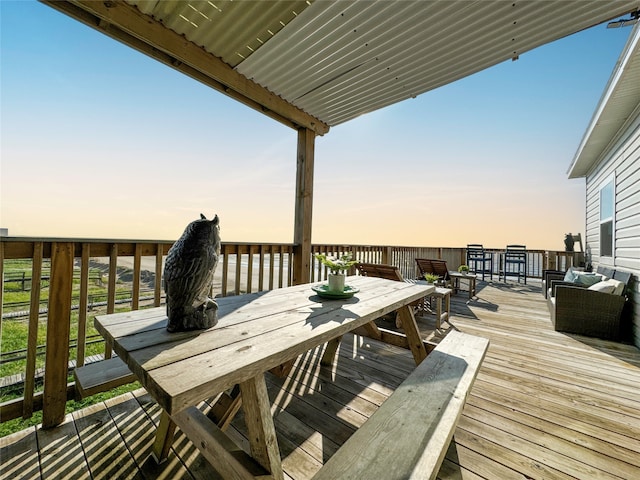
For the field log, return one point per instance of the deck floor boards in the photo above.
(545, 405)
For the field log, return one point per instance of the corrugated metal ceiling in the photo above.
(231, 30)
(338, 60)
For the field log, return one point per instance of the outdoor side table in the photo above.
(455, 282)
(442, 315)
(439, 294)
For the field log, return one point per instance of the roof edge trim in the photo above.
(580, 165)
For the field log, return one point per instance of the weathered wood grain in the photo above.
(19, 456)
(102, 445)
(102, 376)
(61, 452)
(266, 330)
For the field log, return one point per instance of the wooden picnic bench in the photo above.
(101, 376)
(408, 436)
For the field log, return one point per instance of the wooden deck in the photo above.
(545, 406)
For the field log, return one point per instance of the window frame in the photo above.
(607, 220)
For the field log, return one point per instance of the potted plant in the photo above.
(337, 269)
(431, 277)
(463, 269)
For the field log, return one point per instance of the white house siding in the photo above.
(624, 163)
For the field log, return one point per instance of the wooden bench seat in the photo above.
(102, 376)
(408, 436)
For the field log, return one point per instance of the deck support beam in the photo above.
(304, 207)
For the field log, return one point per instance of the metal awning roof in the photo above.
(316, 64)
(618, 106)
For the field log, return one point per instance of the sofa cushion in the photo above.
(603, 287)
(617, 287)
(587, 278)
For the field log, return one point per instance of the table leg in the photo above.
(225, 409)
(330, 351)
(447, 306)
(413, 333)
(164, 437)
(438, 312)
(262, 432)
(283, 369)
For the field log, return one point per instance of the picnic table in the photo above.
(256, 333)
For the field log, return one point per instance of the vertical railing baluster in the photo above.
(250, 269)
(32, 335)
(1, 285)
(238, 271)
(83, 304)
(111, 290)
(261, 271)
(281, 267)
(157, 287)
(225, 272)
(135, 290)
(273, 255)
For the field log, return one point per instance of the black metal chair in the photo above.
(514, 262)
(479, 261)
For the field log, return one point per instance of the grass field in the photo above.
(15, 333)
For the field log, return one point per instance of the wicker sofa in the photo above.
(548, 276)
(586, 310)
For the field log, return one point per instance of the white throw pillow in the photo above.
(603, 287)
(614, 287)
(619, 286)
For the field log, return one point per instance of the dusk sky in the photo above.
(100, 141)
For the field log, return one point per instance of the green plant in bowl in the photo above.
(464, 269)
(431, 277)
(336, 265)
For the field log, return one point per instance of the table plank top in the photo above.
(255, 333)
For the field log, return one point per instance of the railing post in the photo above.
(57, 356)
(386, 255)
(551, 261)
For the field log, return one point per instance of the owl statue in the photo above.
(188, 276)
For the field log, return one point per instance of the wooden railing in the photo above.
(70, 268)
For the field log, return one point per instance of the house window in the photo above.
(607, 201)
